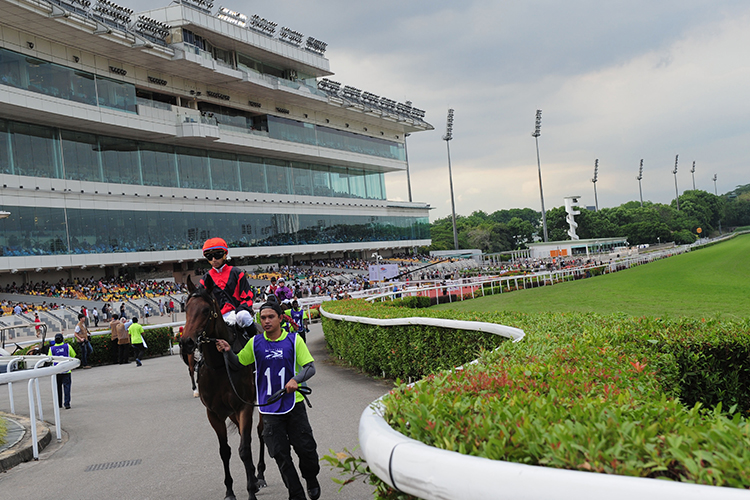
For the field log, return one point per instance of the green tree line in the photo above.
(513, 229)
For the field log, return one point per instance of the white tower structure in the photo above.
(571, 203)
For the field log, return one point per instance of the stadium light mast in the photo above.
(640, 178)
(676, 192)
(537, 132)
(447, 138)
(692, 171)
(408, 177)
(596, 178)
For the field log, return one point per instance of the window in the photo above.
(158, 164)
(34, 150)
(193, 167)
(224, 171)
(252, 174)
(114, 94)
(81, 155)
(277, 176)
(302, 178)
(6, 166)
(120, 160)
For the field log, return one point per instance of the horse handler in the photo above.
(282, 360)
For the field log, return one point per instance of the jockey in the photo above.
(232, 290)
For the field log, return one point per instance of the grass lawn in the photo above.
(709, 283)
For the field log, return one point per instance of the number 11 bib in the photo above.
(274, 367)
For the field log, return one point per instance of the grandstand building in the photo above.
(127, 139)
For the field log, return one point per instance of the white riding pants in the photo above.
(241, 318)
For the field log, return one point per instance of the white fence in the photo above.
(40, 367)
(434, 474)
(476, 286)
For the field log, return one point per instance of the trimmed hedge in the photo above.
(645, 397)
(157, 339)
(400, 351)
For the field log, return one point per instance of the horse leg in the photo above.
(225, 451)
(244, 421)
(262, 460)
(191, 369)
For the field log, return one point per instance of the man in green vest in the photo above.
(136, 338)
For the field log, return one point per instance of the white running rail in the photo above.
(434, 474)
(32, 375)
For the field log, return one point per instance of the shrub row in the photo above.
(157, 339)
(400, 351)
(645, 397)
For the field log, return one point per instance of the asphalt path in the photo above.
(125, 414)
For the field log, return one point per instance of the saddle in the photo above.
(240, 336)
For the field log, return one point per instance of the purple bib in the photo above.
(274, 367)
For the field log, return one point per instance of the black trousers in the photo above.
(123, 352)
(63, 389)
(292, 430)
(114, 351)
(138, 351)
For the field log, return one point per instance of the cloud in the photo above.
(618, 81)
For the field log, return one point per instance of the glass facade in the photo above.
(36, 75)
(39, 151)
(50, 231)
(308, 133)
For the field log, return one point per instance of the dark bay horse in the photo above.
(203, 325)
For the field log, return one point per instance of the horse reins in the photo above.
(304, 390)
(203, 339)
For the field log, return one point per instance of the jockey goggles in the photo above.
(214, 254)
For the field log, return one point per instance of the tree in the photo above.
(521, 232)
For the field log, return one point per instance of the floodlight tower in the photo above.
(692, 171)
(640, 178)
(537, 132)
(447, 138)
(676, 192)
(408, 177)
(596, 177)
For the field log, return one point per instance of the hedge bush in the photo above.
(645, 397)
(416, 302)
(400, 351)
(157, 339)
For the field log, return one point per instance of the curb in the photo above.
(22, 450)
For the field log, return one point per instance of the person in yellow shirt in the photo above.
(136, 338)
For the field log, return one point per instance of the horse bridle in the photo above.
(202, 338)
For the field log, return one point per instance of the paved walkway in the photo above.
(148, 415)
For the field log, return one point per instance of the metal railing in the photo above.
(474, 286)
(42, 366)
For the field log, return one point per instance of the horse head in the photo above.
(203, 321)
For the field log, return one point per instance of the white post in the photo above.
(32, 417)
(11, 366)
(56, 407)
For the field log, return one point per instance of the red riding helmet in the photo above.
(215, 244)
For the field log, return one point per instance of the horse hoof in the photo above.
(230, 497)
(262, 483)
(196, 394)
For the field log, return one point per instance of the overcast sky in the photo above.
(616, 80)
